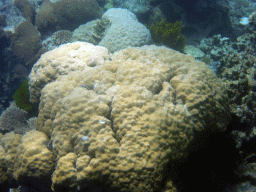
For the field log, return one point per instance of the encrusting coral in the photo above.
(119, 121)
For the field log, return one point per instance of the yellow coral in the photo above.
(34, 159)
(128, 117)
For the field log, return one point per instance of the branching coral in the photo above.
(13, 119)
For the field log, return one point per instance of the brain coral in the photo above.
(119, 123)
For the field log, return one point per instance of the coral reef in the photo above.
(58, 38)
(27, 9)
(194, 51)
(168, 34)
(85, 33)
(116, 30)
(65, 166)
(118, 124)
(124, 31)
(100, 27)
(34, 160)
(124, 117)
(199, 18)
(20, 45)
(9, 142)
(26, 43)
(135, 6)
(239, 9)
(61, 62)
(13, 119)
(91, 32)
(234, 63)
(65, 14)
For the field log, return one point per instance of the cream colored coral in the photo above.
(128, 117)
(33, 157)
(70, 57)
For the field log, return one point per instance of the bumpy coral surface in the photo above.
(26, 159)
(125, 30)
(66, 167)
(65, 14)
(34, 160)
(126, 118)
(61, 61)
(9, 142)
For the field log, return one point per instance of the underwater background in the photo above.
(127, 95)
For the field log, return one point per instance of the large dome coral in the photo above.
(120, 121)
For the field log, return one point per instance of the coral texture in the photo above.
(85, 33)
(126, 118)
(91, 32)
(61, 61)
(10, 142)
(58, 38)
(66, 167)
(65, 14)
(234, 63)
(135, 6)
(26, 43)
(33, 158)
(13, 119)
(27, 9)
(124, 31)
(26, 159)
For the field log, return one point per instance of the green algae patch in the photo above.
(21, 96)
(168, 34)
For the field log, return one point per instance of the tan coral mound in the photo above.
(34, 160)
(126, 118)
(25, 159)
(10, 141)
(70, 57)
